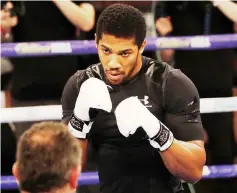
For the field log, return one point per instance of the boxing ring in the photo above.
(37, 113)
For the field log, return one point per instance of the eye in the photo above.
(106, 51)
(125, 54)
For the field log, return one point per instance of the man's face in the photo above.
(120, 58)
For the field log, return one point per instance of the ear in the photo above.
(142, 47)
(15, 171)
(75, 176)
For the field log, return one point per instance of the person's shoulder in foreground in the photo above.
(48, 159)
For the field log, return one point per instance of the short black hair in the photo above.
(122, 21)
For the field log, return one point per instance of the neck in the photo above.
(65, 189)
(137, 67)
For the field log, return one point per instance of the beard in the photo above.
(117, 77)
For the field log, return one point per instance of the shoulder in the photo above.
(179, 91)
(76, 80)
(72, 87)
(174, 83)
(176, 80)
(94, 70)
(157, 70)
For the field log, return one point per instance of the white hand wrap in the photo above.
(132, 114)
(93, 95)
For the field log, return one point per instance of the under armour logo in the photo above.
(145, 101)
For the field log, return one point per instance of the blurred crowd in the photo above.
(32, 81)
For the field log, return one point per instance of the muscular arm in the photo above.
(185, 159)
(164, 27)
(84, 145)
(228, 8)
(186, 156)
(83, 16)
(69, 96)
(167, 55)
(7, 21)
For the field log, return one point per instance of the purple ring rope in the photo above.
(88, 46)
(9, 182)
(86, 178)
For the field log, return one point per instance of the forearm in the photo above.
(84, 144)
(8, 23)
(167, 55)
(235, 27)
(228, 8)
(164, 28)
(82, 16)
(185, 160)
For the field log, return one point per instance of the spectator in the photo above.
(228, 8)
(48, 159)
(210, 70)
(9, 140)
(235, 27)
(40, 80)
(7, 22)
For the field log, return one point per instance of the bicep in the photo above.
(182, 104)
(88, 8)
(185, 127)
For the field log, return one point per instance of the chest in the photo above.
(147, 91)
(149, 94)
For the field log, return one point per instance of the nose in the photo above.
(113, 62)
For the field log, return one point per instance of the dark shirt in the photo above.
(131, 164)
(206, 68)
(41, 77)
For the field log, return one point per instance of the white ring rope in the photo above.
(54, 112)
